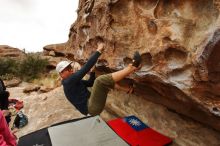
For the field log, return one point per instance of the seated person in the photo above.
(4, 95)
(6, 137)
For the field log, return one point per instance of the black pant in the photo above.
(4, 104)
(4, 100)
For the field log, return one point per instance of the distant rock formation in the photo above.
(179, 42)
(55, 53)
(54, 50)
(7, 51)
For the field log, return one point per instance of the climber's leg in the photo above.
(100, 89)
(104, 83)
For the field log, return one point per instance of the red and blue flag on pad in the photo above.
(136, 133)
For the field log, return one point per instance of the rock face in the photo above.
(55, 53)
(179, 43)
(7, 51)
(54, 50)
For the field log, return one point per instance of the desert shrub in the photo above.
(7, 76)
(8, 66)
(50, 79)
(32, 66)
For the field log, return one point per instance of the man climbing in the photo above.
(75, 88)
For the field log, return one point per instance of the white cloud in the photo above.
(32, 24)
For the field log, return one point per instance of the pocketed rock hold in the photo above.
(152, 27)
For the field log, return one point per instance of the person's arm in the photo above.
(2, 84)
(5, 134)
(2, 140)
(77, 76)
(90, 81)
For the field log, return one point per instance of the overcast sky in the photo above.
(32, 24)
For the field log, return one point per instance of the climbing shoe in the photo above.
(136, 59)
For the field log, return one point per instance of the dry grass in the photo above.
(51, 80)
